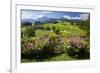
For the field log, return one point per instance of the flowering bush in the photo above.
(78, 49)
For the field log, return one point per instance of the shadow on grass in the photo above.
(38, 56)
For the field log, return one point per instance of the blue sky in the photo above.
(35, 14)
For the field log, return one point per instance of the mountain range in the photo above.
(46, 19)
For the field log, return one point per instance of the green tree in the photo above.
(28, 31)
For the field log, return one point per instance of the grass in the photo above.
(65, 30)
(43, 32)
(62, 57)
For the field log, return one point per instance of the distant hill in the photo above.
(46, 19)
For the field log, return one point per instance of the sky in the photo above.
(35, 14)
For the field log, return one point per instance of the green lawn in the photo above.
(62, 57)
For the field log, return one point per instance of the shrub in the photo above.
(27, 32)
(30, 53)
(81, 53)
(78, 49)
(47, 28)
(57, 31)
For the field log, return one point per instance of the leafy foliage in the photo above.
(48, 41)
(78, 48)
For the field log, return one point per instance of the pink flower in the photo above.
(30, 45)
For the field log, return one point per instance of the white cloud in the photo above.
(80, 17)
(38, 16)
(33, 15)
(84, 16)
(27, 14)
(67, 16)
(46, 12)
(76, 18)
(70, 17)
